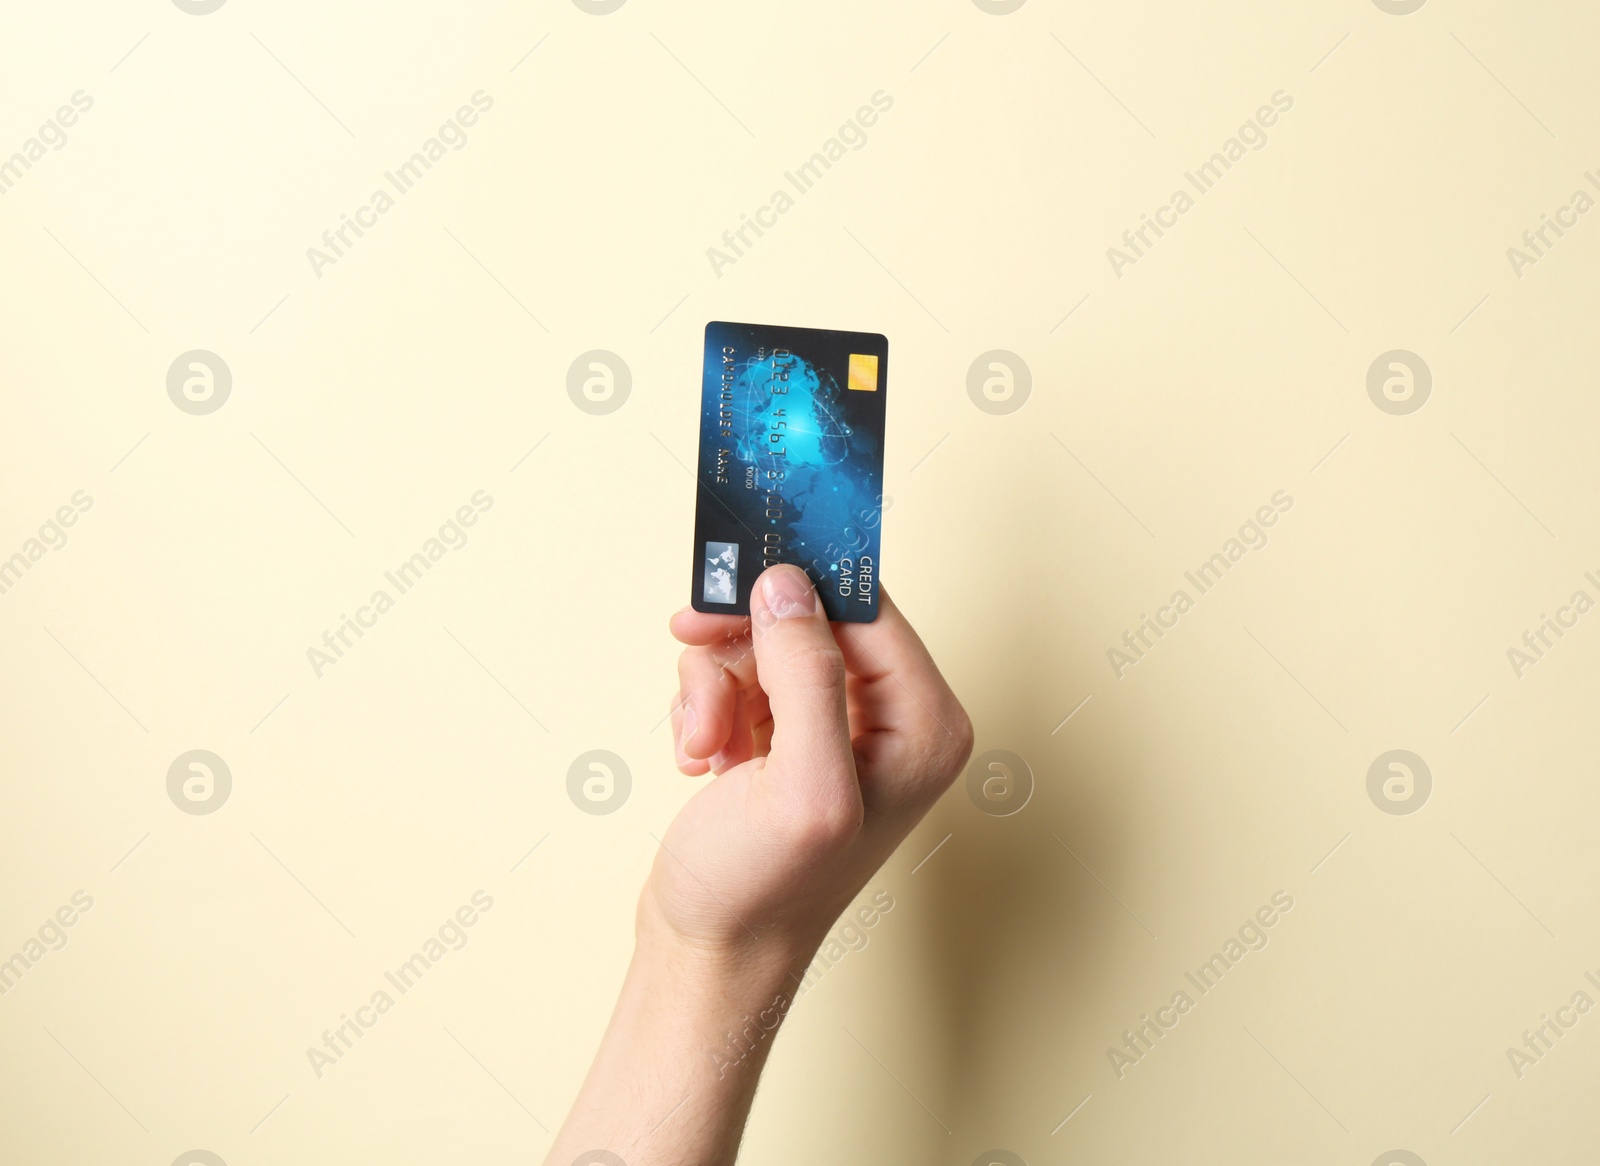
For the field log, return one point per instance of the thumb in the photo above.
(802, 671)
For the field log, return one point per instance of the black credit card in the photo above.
(791, 464)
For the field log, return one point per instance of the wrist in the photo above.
(713, 1008)
(742, 969)
(692, 1028)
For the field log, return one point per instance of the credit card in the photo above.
(791, 464)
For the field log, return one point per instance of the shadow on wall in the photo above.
(1015, 928)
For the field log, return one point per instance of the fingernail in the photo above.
(678, 734)
(789, 593)
(690, 721)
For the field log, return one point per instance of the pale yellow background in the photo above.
(369, 403)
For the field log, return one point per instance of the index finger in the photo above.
(699, 629)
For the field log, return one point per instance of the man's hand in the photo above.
(829, 742)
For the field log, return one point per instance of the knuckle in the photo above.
(961, 736)
(824, 823)
(941, 753)
(817, 815)
(814, 666)
(731, 655)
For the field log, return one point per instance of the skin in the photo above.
(829, 743)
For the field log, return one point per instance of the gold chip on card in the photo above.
(863, 374)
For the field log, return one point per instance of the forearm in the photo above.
(676, 1071)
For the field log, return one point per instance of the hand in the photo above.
(830, 743)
